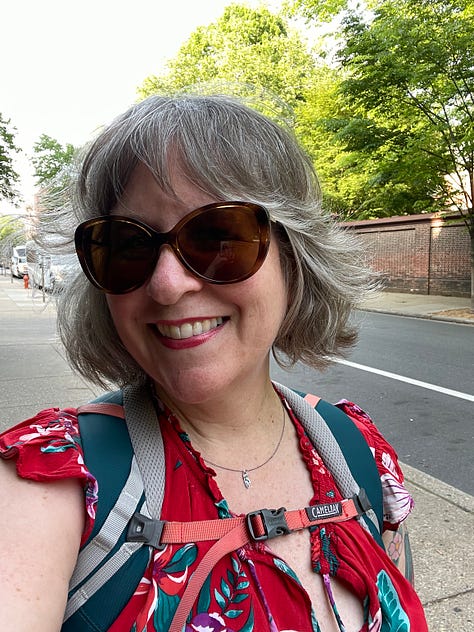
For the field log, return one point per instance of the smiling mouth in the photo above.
(188, 330)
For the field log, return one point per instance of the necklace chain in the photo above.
(245, 472)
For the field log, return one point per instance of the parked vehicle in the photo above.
(18, 264)
(47, 271)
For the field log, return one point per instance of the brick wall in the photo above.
(419, 253)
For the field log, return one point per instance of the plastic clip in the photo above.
(273, 521)
(146, 530)
(362, 502)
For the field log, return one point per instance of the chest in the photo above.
(288, 483)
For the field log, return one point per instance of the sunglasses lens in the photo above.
(221, 243)
(119, 255)
(225, 244)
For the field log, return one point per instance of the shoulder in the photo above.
(398, 502)
(40, 527)
(47, 448)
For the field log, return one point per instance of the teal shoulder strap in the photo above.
(105, 436)
(357, 453)
(107, 565)
(358, 457)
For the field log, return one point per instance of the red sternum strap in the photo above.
(262, 524)
(233, 533)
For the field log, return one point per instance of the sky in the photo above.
(67, 67)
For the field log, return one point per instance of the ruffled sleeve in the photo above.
(47, 447)
(397, 501)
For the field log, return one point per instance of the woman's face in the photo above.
(196, 340)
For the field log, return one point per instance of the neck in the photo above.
(243, 422)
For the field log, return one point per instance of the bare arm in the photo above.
(40, 531)
(397, 545)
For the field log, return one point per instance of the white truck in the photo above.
(18, 264)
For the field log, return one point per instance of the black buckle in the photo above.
(146, 530)
(274, 523)
(362, 502)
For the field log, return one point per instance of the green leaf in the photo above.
(204, 601)
(225, 588)
(233, 614)
(182, 559)
(220, 599)
(242, 585)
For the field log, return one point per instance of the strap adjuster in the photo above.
(146, 530)
(272, 521)
(362, 502)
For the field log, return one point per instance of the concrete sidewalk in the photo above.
(34, 375)
(448, 308)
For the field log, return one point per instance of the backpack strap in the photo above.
(344, 450)
(360, 460)
(147, 442)
(231, 534)
(107, 554)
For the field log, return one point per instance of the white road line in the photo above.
(408, 380)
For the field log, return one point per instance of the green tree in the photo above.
(324, 10)
(245, 47)
(51, 160)
(415, 60)
(366, 166)
(12, 233)
(408, 78)
(9, 178)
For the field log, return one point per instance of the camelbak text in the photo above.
(319, 512)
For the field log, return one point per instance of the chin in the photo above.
(193, 387)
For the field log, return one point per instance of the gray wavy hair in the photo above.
(232, 152)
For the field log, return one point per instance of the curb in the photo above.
(438, 488)
(448, 319)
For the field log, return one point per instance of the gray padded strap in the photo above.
(100, 546)
(145, 435)
(100, 577)
(147, 471)
(325, 443)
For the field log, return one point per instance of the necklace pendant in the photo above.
(245, 478)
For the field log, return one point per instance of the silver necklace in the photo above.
(245, 472)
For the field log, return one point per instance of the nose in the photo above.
(170, 279)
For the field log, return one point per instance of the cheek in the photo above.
(120, 308)
(113, 303)
(268, 299)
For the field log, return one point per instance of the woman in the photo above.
(205, 248)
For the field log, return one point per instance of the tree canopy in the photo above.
(9, 178)
(51, 160)
(406, 90)
(413, 65)
(243, 50)
(12, 233)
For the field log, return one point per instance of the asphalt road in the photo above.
(431, 430)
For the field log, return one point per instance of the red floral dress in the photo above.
(250, 589)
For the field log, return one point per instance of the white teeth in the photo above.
(187, 330)
(175, 332)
